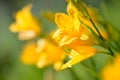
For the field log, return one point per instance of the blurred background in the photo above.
(10, 47)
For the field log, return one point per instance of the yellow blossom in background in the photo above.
(112, 71)
(29, 54)
(42, 54)
(73, 34)
(49, 54)
(26, 25)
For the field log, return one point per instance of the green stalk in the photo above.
(74, 74)
(92, 71)
(96, 29)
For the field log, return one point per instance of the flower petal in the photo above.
(84, 53)
(64, 22)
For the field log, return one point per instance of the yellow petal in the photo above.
(78, 56)
(26, 35)
(13, 27)
(61, 37)
(72, 11)
(49, 54)
(59, 34)
(66, 40)
(65, 22)
(75, 58)
(57, 65)
(42, 61)
(29, 55)
(41, 44)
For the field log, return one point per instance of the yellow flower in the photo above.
(70, 27)
(73, 34)
(26, 25)
(42, 54)
(49, 54)
(112, 71)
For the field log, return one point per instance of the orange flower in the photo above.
(26, 25)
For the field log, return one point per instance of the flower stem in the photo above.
(113, 50)
(74, 74)
(96, 29)
(92, 71)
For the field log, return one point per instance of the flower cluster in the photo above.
(43, 53)
(74, 32)
(81, 33)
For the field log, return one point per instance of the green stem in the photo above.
(93, 64)
(74, 74)
(92, 71)
(114, 47)
(112, 53)
(96, 29)
(113, 50)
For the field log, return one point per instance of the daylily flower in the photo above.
(26, 25)
(73, 34)
(42, 54)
